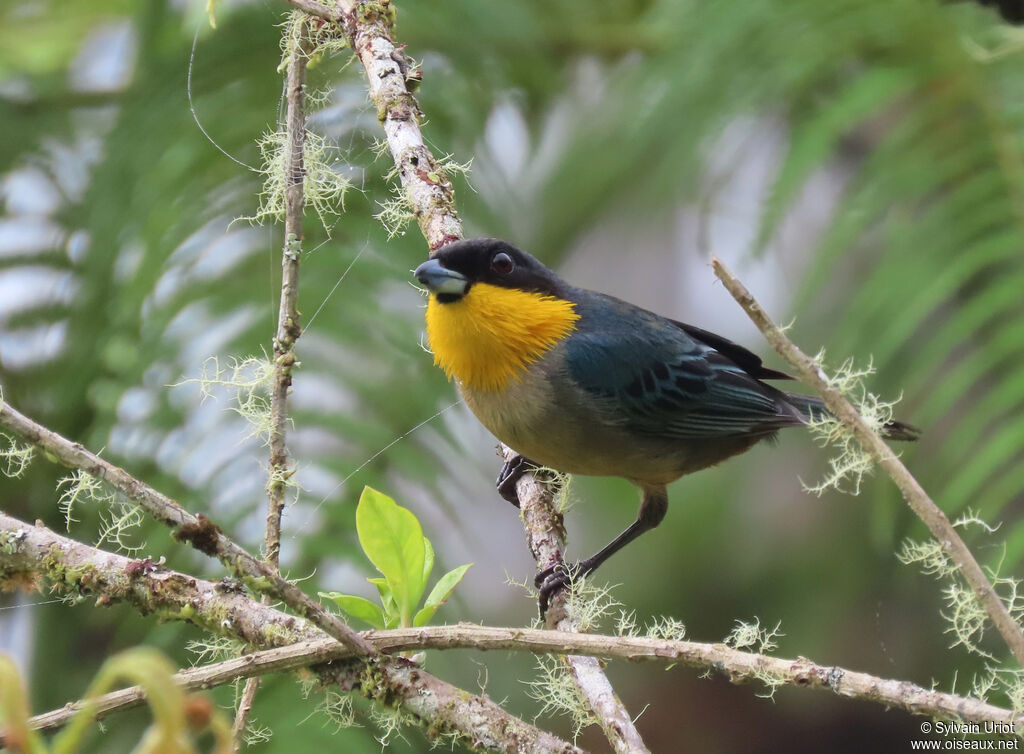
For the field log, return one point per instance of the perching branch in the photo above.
(545, 534)
(431, 197)
(738, 666)
(918, 500)
(224, 609)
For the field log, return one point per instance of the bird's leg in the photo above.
(510, 474)
(557, 577)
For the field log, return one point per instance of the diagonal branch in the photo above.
(432, 199)
(545, 535)
(197, 530)
(223, 608)
(918, 500)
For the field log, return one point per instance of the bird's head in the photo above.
(493, 311)
(456, 268)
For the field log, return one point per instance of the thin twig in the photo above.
(224, 609)
(288, 329)
(545, 535)
(918, 500)
(314, 8)
(244, 710)
(738, 666)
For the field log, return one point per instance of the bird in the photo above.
(586, 383)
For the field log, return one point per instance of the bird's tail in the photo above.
(813, 409)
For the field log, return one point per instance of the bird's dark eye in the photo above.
(502, 263)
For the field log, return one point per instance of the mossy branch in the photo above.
(736, 665)
(288, 328)
(223, 608)
(82, 571)
(196, 530)
(934, 518)
(288, 331)
(390, 75)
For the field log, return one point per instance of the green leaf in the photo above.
(387, 599)
(428, 560)
(392, 539)
(357, 607)
(440, 593)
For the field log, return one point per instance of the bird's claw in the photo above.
(554, 579)
(509, 476)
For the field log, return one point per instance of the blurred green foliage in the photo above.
(176, 715)
(122, 272)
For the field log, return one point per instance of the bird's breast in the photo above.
(490, 337)
(541, 416)
(519, 414)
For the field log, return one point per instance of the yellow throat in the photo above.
(490, 335)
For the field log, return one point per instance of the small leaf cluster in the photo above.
(392, 538)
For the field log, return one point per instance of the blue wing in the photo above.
(663, 378)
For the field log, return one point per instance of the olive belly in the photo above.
(571, 435)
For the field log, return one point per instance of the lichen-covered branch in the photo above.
(76, 569)
(431, 198)
(425, 187)
(545, 535)
(390, 74)
(195, 529)
(288, 328)
(223, 608)
(735, 664)
(319, 10)
(918, 500)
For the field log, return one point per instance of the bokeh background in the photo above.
(858, 162)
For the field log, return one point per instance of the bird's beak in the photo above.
(440, 280)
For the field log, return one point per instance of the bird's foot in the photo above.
(509, 476)
(554, 579)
